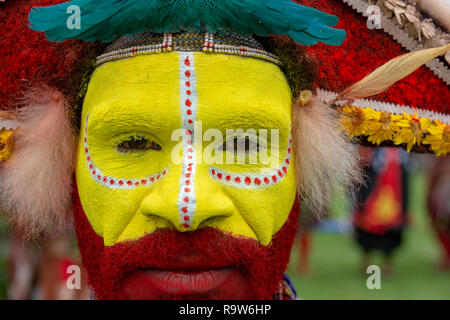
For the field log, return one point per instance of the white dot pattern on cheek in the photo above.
(113, 182)
(188, 106)
(254, 180)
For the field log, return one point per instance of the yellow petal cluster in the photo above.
(5, 144)
(438, 138)
(405, 129)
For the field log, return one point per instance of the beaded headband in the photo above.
(150, 43)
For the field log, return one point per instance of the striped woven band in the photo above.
(150, 43)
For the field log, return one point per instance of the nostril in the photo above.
(213, 217)
(159, 219)
(211, 221)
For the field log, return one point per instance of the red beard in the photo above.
(202, 264)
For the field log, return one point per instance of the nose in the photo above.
(205, 203)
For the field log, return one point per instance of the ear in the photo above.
(325, 160)
(36, 182)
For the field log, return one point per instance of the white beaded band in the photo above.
(186, 42)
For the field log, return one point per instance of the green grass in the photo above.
(335, 271)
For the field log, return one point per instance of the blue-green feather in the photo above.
(107, 20)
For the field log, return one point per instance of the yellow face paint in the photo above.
(147, 98)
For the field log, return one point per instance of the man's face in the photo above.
(196, 228)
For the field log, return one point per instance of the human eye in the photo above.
(136, 143)
(239, 145)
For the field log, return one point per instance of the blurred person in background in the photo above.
(439, 206)
(21, 268)
(307, 221)
(380, 213)
(41, 271)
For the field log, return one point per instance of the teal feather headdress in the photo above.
(107, 20)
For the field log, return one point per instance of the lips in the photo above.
(187, 275)
(224, 283)
(187, 282)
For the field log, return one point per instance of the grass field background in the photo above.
(335, 261)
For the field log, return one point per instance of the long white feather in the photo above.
(392, 71)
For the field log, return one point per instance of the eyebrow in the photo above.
(254, 120)
(127, 118)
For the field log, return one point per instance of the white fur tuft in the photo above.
(325, 160)
(36, 182)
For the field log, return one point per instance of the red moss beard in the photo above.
(111, 269)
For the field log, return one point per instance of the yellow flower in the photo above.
(354, 121)
(438, 138)
(382, 126)
(5, 144)
(411, 130)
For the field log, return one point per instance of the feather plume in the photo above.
(107, 20)
(389, 73)
(36, 182)
(325, 160)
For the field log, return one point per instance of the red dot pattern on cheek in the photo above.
(112, 182)
(252, 180)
